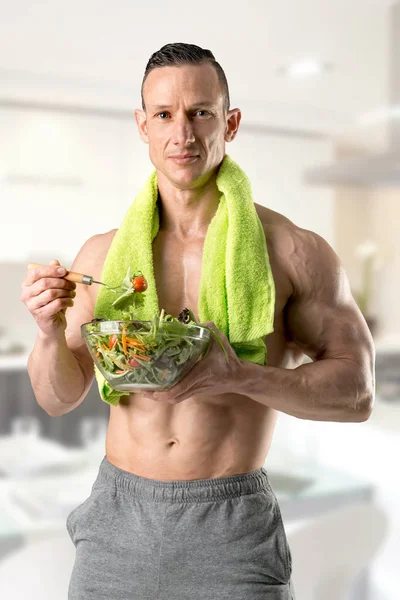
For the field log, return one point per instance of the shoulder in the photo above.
(99, 242)
(93, 252)
(306, 257)
(314, 267)
(278, 229)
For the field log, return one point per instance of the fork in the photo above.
(79, 278)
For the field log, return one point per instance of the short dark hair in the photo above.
(179, 54)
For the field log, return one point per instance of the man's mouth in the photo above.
(184, 159)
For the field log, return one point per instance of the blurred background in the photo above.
(318, 83)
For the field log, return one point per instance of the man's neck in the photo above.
(187, 213)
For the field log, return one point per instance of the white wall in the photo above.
(385, 217)
(85, 171)
(275, 165)
(372, 214)
(352, 227)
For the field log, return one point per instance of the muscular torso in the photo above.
(204, 436)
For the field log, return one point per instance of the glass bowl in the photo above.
(144, 355)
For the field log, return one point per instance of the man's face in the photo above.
(185, 122)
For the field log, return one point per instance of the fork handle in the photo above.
(70, 276)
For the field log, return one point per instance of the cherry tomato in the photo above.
(133, 362)
(112, 341)
(139, 284)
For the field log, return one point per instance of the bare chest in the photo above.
(177, 270)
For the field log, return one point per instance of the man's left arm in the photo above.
(324, 320)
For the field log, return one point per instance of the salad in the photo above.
(134, 354)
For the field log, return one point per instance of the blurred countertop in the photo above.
(14, 362)
(390, 343)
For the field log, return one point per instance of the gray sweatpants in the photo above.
(203, 539)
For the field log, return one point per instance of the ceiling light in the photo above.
(305, 68)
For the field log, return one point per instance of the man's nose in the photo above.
(183, 132)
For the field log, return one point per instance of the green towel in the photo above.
(237, 290)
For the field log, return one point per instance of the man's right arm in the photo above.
(60, 367)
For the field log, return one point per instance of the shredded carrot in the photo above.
(163, 374)
(142, 357)
(133, 342)
(137, 348)
(137, 353)
(124, 339)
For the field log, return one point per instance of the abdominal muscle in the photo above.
(200, 438)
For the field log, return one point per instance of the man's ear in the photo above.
(232, 124)
(141, 122)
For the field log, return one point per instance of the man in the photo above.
(182, 507)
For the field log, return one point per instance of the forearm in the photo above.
(325, 390)
(57, 380)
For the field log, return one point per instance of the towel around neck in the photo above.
(237, 290)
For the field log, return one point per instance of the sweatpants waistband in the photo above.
(197, 490)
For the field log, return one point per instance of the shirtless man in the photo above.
(217, 423)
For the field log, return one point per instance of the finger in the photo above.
(223, 339)
(52, 308)
(213, 326)
(191, 383)
(48, 296)
(183, 390)
(49, 283)
(210, 324)
(43, 271)
(215, 329)
(46, 284)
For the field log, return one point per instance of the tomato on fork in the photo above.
(139, 284)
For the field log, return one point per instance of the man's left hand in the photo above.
(213, 374)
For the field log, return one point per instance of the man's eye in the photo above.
(205, 112)
(160, 115)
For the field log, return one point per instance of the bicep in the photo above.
(322, 316)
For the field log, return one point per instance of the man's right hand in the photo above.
(47, 296)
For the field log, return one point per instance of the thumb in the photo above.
(210, 324)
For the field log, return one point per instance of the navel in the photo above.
(172, 443)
